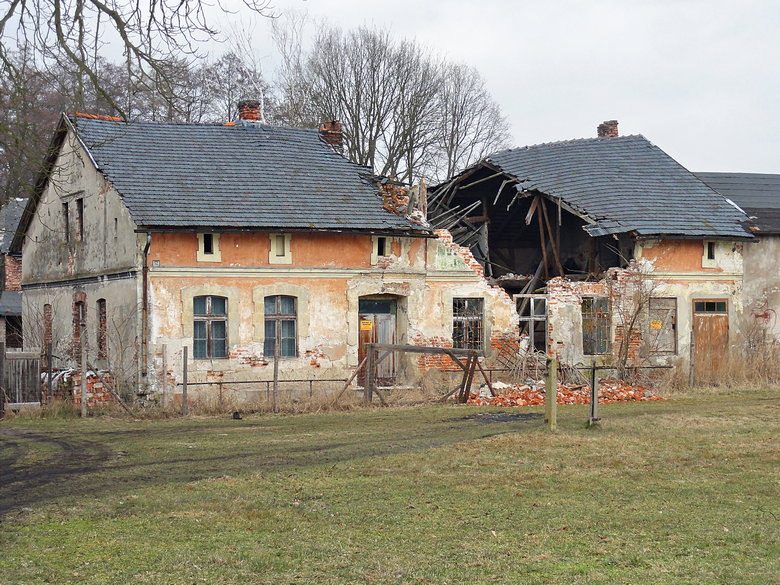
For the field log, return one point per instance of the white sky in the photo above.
(699, 78)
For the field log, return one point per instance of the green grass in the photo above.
(678, 492)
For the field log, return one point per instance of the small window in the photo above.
(208, 248)
(533, 320)
(116, 228)
(210, 327)
(80, 219)
(380, 247)
(279, 252)
(596, 326)
(662, 326)
(710, 250)
(281, 324)
(468, 323)
(709, 306)
(102, 330)
(66, 220)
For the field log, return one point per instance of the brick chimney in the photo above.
(332, 134)
(607, 129)
(249, 110)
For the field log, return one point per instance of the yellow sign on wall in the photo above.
(366, 325)
(656, 324)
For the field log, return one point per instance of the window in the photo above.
(710, 250)
(380, 246)
(709, 306)
(80, 219)
(596, 326)
(662, 333)
(209, 327)
(709, 254)
(533, 320)
(79, 322)
(66, 220)
(102, 331)
(280, 323)
(467, 323)
(280, 249)
(208, 248)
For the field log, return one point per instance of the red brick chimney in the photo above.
(607, 129)
(332, 134)
(249, 110)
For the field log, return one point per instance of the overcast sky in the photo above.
(699, 78)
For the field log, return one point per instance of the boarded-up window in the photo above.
(209, 327)
(467, 323)
(595, 325)
(533, 320)
(281, 323)
(661, 336)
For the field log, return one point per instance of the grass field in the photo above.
(677, 492)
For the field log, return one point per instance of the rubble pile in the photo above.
(611, 390)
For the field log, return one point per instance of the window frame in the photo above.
(532, 318)
(209, 318)
(215, 255)
(273, 256)
(278, 318)
(463, 319)
(602, 321)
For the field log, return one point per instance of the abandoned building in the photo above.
(607, 244)
(236, 241)
(759, 196)
(10, 275)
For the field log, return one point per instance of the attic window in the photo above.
(708, 256)
(710, 250)
(380, 247)
(279, 252)
(208, 248)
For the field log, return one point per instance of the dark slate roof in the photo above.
(235, 176)
(758, 194)
(624, 184)
(10, 216)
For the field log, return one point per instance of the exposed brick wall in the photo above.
(98, 393)
(13, 272)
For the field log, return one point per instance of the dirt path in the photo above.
(32, 465)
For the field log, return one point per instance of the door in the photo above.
(710, 335)
(376, 324)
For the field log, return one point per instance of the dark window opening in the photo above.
(102, 331)
(381, 246)
(80, 218)
(468, 323)
(281, 323)
(209, 327)
(208, 243)
(66, 221)
(662, 333)
(13, 332)
(710, 250)
(533, 320)
(596, 326)
(709, 306)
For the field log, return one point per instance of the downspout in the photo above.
(145, 311)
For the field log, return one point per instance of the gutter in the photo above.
(145, 310)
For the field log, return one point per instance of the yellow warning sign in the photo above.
(366, 325)
(656, 324)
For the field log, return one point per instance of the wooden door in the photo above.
(377, 324)
(710, 336)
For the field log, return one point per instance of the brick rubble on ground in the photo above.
(610, 390)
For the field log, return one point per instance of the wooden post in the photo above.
(551, 395)
(184, 405)
(50, 369)
(368, 391)
(692, 365)
(2, 380)
(164, 373)
(276, 406)
(594, 395)
(83, 339)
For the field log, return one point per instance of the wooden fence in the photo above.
(20, 376)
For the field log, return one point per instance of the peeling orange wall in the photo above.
(251, 249)
(676, 255)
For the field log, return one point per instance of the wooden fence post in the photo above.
(594, 395)
(184, 406)
(368, 391)
(551, 395)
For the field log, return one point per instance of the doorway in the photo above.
(377, 324)
(710, 335)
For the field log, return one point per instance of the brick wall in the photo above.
(13, 272)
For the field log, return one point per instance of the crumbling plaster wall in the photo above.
(762, 286)
(665, 268)
(328, 275)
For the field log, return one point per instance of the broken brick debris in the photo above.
(610, 391)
